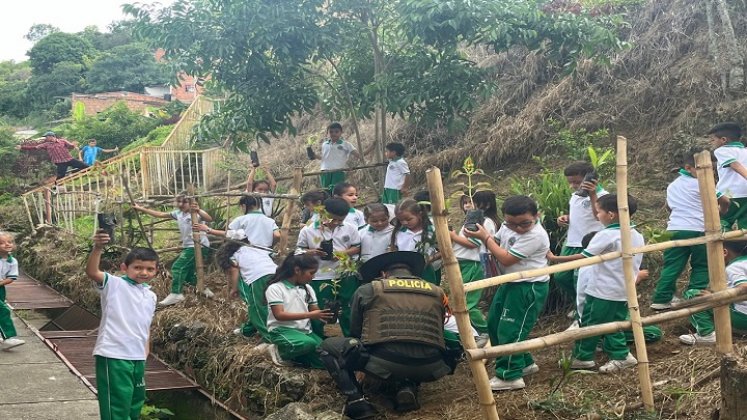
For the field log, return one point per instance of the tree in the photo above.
(128, 67)
(39, 31)
(116, 126)
(63, 79)
(57, 48)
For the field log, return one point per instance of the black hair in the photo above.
(337, 206)
(519, 204)
(579, 168)
(287, 269)
(226, 251)
(314, 196)
(261, 181)
(414, 207)
(730, 130)
(424, 198)
(587, 239)
(334, 125)
(374, 208)
(609, 203)
(485, 201)
(250, 203)
(397, 148)
(341, 189)
(737, 247)
(186, 196)
(142, 254)
(463, 199)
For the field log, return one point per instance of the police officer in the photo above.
(396, 333)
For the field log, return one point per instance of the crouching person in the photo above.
(397, 334)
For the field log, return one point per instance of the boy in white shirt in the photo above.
(731, 158)
(122, 345)
(335, 154)
(8, 274)
(321, 239)
(397, 179)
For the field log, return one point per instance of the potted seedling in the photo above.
(310, 143)
(468, 172)
(347, 267)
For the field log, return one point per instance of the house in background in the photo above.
(96, 102)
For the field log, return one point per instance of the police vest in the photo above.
(405, 310)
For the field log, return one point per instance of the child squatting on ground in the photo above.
(122, 345)
(8, 274)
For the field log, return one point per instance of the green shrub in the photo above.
(155, 137)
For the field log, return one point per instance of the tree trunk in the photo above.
(713, 45)
(733, 388)
(732, 53)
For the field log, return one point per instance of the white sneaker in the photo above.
(693, 339)
(237, 331)
(208, 293)
(530, 370)
(665, 306)
(482, 340)
(276, 358)
(582, 364)
(616, 365)
(571, 314)
(9, 343)
(497, 384)
(172, 299)
(574, 326)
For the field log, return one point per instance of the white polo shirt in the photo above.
(492, 229)
(127, 310)
(295, 299)
(736, 274)
(683, 198)
(407, 240)
(530, 248)
(581, 220)
(396, 172)
(259, 228)
(355, 217)
(184, 221)
(607, 281)
(344, 236)
(8, 268)
(335, 155)
(253, 264)
(583, 277)
(267, 206)
(463, 253)
(374, 242)
(730, 182)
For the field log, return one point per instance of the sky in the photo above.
(68, 15)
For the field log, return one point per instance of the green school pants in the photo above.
(513, 313)
(432, 276)
(565, 280)
(598, 311)
(472, 271)
(184, 270)
(298, 346)
(390, 196)
(675, 260)
(7, 329)
(120, 385)
(703, 321)
(328, 180)
(254, 296)
(325, 294)
(737, 214)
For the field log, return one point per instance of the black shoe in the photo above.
(360, 409)
(407, 399)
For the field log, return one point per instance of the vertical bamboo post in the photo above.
(48, 205)
(290, 208)
(457, 297)
(199, 263)
(644, 376)
(715, 249)
(28, 213)
(144, 173)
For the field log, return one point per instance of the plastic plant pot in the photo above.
(473, 218)
(107, 223)
(310, 153)
(334, 307)
(326, 246)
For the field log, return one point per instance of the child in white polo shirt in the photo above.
(606, 297)
(292, 305)
(397, 179)
(335, 155)
(349, 193)
(731, 159)
(321, 239)
(183, 269)
(413, 231)
(735, 256)
(266, 185)
(685, 221)
(521, 244)
(122, 345)
(8, 274)
(376, 234)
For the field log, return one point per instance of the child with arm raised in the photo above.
(262, 186)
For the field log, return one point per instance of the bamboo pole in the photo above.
(723, 298)
(144, 173)
(715, 250)
(28, 214)
(572, 265)
(289, 209)
(644, 375)
(199, 263)
(137, 213)
(457, 297)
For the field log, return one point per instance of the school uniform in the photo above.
(294, 339)
(355, 217)
(471, 268)
(731, 183)
(606, 296)
(127, 310)
(267, 203)
(374, 242)
(488, 261)
(334, 157)
(8, 270)
(183, 270)
(408, 240)
(517, 305)
(685, 221)
(396, 172)
(736, 274)
(581, 221)
(343, 236)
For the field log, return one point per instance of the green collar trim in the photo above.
(131, 281)
(683, 172)
(255, 212)
(340, 141)
(740, 258)
(10, 258)
(617, 226)
(352, 210)
(735, 144)
(289, 285)
(395, 159)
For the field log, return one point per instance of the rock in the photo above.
(177, 332)
(195, 330)
(292, 411)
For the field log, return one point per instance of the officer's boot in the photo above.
(407, 397)
(356, 406)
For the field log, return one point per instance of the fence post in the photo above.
(457, 298)
(644, 376)
(199, 263)
(715, 249)
(290, 208)
(144, 173)
(28, 213)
